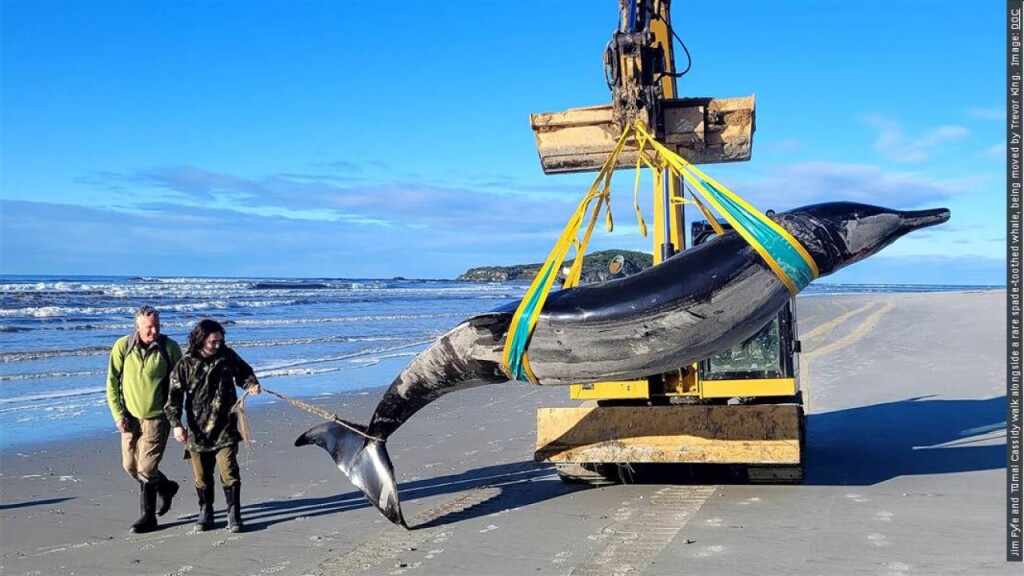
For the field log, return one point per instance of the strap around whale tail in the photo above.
(363, 460)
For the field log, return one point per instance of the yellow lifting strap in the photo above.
(786, 257)
(514, 361)
(780, 250)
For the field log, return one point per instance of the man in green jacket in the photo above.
(137, 382)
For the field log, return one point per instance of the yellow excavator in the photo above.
(742, 407)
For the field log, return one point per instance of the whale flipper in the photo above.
(365, 461)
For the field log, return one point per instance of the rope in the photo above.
(243, 426)
(239, 408)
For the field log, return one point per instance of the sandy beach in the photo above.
(905, 475)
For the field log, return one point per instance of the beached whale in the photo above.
(693, 305)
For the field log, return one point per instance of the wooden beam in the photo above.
(702, 130)
(718, 434)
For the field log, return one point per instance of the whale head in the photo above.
(837, 234)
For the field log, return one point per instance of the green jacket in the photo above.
(137, 377)
(204, 389)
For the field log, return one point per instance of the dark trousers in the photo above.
(226, 459)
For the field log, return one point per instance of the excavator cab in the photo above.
(770, 355)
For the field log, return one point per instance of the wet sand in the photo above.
(906, 466)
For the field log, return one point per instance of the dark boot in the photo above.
(233, 495)
(165, 491)
(205, 519)
(147, 502)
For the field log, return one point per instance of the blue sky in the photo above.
(378, 139)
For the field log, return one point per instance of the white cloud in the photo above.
(986, 113)
(895, 144)
(810, 182)
(996, 152)
(491, 206)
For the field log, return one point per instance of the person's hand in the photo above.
(180, 435)
(255, 389)
(123, 426)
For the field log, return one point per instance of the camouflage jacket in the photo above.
(205, 388)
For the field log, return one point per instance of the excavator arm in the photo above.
(640, 72)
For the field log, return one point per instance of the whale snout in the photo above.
(915, 219)
(856, 230)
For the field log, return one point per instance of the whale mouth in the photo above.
(916, 219)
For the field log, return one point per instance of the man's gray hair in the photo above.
(146, 312)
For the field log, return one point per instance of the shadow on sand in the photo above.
(28, 503)
(516, 484)
(856, 446)
(872, 444)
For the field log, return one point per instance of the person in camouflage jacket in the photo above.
(203, 387)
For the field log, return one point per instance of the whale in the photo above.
(695, 304)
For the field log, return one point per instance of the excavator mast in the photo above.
(741, 407)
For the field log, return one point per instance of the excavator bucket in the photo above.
(702, 130)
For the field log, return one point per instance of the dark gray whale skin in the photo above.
(691, 306)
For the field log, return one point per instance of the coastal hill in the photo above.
(595, 268)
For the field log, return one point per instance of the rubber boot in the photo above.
(147, 502)
(204, 521)
(165, 491)
(233, 495)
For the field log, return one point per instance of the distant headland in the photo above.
(595, 268)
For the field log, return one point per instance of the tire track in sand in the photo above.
(826, 328)
(643, 528)
(429, 527)
(866, 326)
(860, 331)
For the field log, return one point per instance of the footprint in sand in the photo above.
(273, 569)
(403, 568)
(896, 568)
(878, 540)
(217, 543)
(561, 557)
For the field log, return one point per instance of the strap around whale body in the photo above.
(514, 361)
(780, 250)
(783, 253)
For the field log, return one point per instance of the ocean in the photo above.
(304, 337)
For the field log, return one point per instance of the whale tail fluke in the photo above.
(363, 460)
